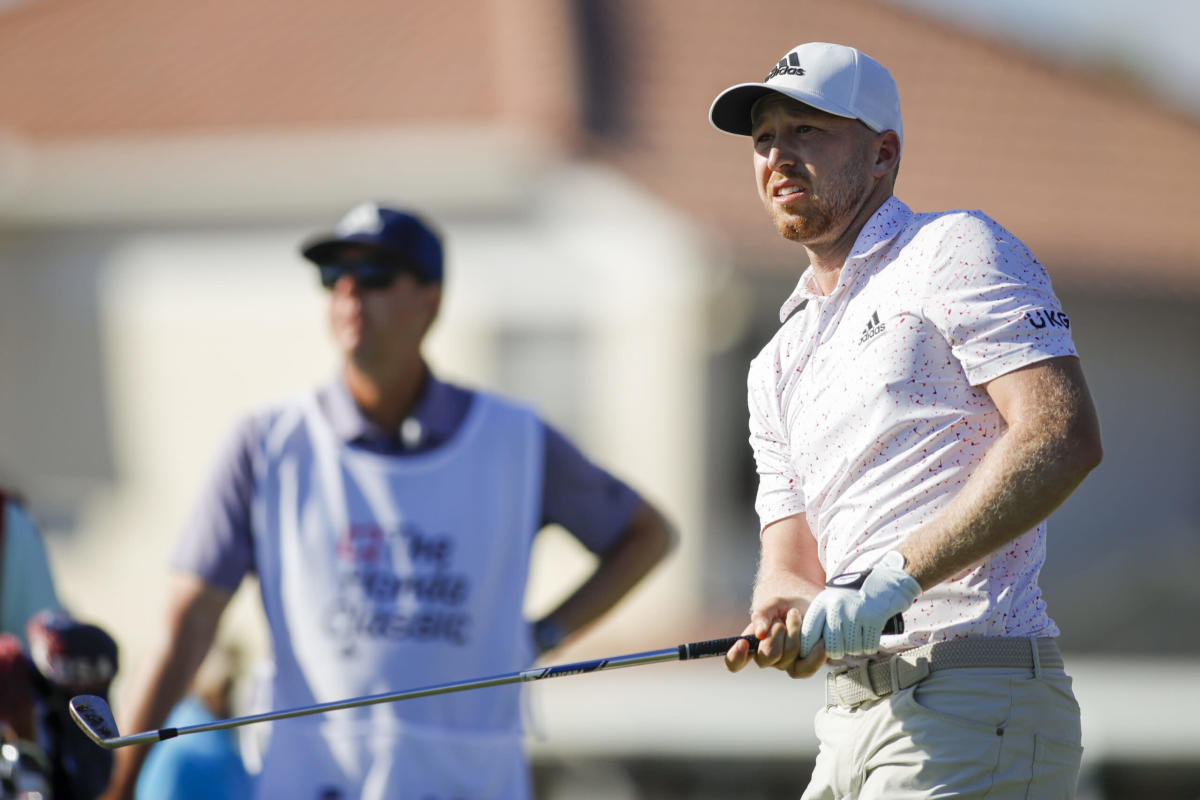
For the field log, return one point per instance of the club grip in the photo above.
(718, 647)
(713, 647)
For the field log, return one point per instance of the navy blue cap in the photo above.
(399, 238)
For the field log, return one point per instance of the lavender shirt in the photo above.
(217, 542)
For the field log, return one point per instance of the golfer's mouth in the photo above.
(787, 192)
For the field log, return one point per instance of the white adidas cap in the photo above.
(831, 77)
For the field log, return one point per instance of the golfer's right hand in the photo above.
(778, 646)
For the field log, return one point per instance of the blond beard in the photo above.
(847, 191)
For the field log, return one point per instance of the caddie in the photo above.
(389, 516)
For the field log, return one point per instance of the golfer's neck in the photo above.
(827, 268)
(828, 258)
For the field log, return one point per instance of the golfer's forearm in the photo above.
(645, 542)
(788, 552)
(782, 589)
(789, 572)
(1027, 474)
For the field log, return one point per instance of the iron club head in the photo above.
(94, 718)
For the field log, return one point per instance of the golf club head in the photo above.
(94, 718)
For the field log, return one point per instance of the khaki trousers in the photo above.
(965, 733)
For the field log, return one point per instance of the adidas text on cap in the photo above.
(831, 77)
(399, 238)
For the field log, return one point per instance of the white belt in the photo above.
(872, 680)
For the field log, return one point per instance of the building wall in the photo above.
(1121, 549)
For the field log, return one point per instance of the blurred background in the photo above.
(608, 260)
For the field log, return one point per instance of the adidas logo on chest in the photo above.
(873, 329)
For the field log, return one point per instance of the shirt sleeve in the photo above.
(591, 504)
(216, 543)
(780, 493)
(993, 301)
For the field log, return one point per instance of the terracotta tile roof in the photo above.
(1094, 178)
(70, 69)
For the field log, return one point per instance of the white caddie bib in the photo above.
(380, 574)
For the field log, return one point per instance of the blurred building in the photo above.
(608, 260)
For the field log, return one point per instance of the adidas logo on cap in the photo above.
(789, 65)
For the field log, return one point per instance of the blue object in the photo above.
(401, 238)
(196, 767)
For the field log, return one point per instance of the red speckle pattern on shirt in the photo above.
(865, 411)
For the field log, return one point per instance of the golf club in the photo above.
(94, 717)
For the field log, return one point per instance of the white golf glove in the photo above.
(851, 620)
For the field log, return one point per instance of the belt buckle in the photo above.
(857, 676)
(909, 671)
(861, 675)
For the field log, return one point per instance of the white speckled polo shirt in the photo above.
(867, 411)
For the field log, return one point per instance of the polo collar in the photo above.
(434, 412)
(883, 226)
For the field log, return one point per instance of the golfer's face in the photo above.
(812, 169)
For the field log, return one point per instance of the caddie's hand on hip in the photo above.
(849, 616)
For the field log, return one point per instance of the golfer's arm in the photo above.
(789, 577)
(788, 565)
(193, 612)
(1051, 443)
(646, 540)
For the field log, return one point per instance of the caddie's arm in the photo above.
(646, 539)
(789, 578)
(1052, 442)
(194, 609)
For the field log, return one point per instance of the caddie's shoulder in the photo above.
(498, 402)
(497, 409)
(266, 425)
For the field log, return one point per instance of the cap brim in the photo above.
(322, 250)
(730, 112)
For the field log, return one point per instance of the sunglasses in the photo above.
(366, 275)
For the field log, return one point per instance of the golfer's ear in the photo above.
(887, 153)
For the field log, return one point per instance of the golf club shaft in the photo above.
(683, 652)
